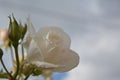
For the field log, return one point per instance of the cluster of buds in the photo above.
(16, 31)
(11, 38)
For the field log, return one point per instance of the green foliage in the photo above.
(3, 75)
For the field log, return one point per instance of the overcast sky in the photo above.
(93, 25)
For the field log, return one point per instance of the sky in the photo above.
(93, 25)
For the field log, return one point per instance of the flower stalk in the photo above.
(17, 60)
(10, 76)
(12, 55)
(22, 52)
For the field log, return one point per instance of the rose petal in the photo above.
(44, 65)
(58, 38)
(34, 53)
(30, 28)
(68, 59)
(26, 41)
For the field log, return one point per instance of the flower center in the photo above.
(55, 39)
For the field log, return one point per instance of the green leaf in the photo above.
(37, 72)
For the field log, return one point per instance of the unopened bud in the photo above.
(16, 31)
(4, 34)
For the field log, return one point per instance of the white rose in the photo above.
(49, 48)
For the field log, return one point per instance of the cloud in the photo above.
(99, 52)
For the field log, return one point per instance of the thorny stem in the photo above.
(10, 76)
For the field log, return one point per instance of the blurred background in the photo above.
(93, 25)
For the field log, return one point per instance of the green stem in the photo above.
(12, 55)
(11, 77)
(27, 77)
(22, 52)
(17, 60)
